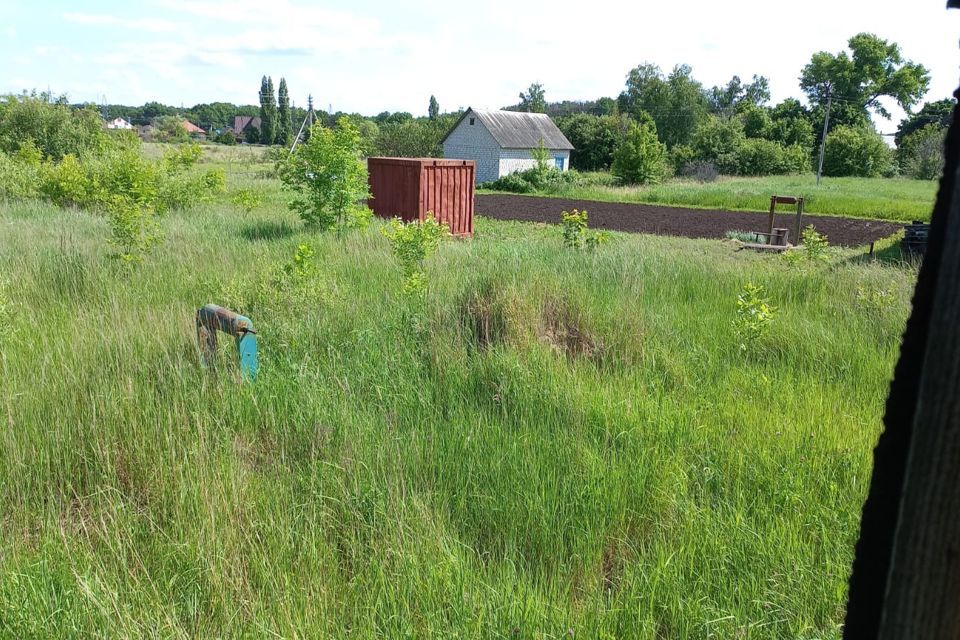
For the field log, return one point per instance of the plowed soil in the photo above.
(676, 221)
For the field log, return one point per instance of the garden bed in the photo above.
(676, 221)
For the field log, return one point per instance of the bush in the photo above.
(754, 314)
(328, 175)
(680, 157)
(758, 157)
(414, 242)
(640, 158)
(856, 151)
(701, 171)
(18, 180)
(51, 126)
(921, 153)
(718, 141)
(181, 157)
(534, 180)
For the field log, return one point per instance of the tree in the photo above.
(677, 102)
(939, 113)
(534, 100)
(50, 126)
(718, 140)
(874, 69)
(434, 109)
(283, 134)
(328, 175)
(855, 151)
(410, 139)
(921, 153)
(726, 99)
(640, 158)
(594, 139)
(268, 111)
(790, 124)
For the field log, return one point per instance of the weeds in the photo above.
(414, 242)
(754, 314)
(575, 233)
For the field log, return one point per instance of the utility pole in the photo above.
(826, 123)
(307, 123)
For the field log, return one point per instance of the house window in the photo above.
(558, 161)
(471, 122)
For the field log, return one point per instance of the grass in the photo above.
(551, 443)
(876, 198)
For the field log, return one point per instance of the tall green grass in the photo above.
(877, 198)
(552, 443)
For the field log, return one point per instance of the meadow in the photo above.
(897, 199)
(549, 444)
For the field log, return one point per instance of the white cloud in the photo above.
(153, 25)
(11, 32)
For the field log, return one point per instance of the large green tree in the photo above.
(727, 98)
(677, 102)
(433, 110)
(268, 111)
(594, 139)
(939, 113)
(534, 100)
(283, 134)
(873, 69)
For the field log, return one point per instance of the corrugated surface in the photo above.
(409, 188)
(517, 129)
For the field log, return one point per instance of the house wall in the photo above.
(512, 160)
(474, 142)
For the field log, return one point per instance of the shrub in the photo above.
(701, 171)
(758, 157)
(51, 126)
(414, 242)
(640, 158)
(18, 180)
(754, 314)
(921, 153)
(328, 175)
(133, 230)
(718, 141)
(534, 180)
(575, 234)
(855, 151)
(681, 156)
(247, 200)
(574, 225)
(814, 244)
(181, 157)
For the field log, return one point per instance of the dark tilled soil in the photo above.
(676, 221)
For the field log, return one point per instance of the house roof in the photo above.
(517, 129)
(192, 128)
(242, 122)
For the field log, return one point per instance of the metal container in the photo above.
(410, 188)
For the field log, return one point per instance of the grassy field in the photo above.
(877, 198)
(551, 444)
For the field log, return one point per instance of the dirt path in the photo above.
(675, 221)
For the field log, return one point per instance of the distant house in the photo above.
(193, 130)
(119, 123)
(501, 142)
(242, 123)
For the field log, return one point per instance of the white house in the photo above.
(119, 123)
(500, 142)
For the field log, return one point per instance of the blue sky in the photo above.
(371, 56)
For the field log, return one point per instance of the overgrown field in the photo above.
(551, 443)
(898, 199)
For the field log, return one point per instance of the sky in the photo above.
(370, 56)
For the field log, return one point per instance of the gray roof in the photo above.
(519, 130)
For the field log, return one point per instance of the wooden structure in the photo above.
(411, 188)
(797, 202)
(777, 241)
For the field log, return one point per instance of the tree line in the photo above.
(734, 128)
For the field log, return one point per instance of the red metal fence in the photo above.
(409, 188)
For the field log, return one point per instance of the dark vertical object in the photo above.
(902, 479)
(410, 188)
(796, 226)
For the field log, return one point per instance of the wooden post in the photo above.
(906, 572)
(773, 209)
(796, 231)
